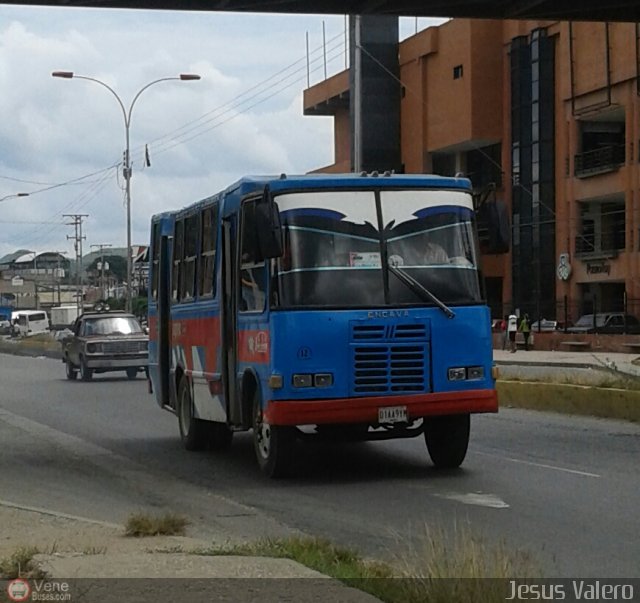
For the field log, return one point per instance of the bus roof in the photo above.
(255, 184)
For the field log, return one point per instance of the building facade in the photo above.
(543, 116)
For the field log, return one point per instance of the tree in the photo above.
(117, 266)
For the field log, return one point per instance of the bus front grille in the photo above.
(389, 331)
(390, 369)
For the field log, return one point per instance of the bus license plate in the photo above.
(392, 414)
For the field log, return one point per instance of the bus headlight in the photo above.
(302, 380)
(466, 373)
(323, 380)
(312, 380)
(458, 373)
(475, 372)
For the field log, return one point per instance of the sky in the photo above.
(62, 140)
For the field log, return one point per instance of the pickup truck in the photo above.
(104, 342)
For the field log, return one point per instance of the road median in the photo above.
(567, 398)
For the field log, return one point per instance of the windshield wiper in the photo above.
(419, 289)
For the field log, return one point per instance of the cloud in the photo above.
(244, 116)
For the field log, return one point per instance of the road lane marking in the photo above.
(475, 498)
(542, 465)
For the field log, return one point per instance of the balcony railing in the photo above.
(598, 161)
(608, 245)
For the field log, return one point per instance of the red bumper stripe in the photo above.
(365, 410)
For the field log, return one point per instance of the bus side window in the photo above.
(177, 260)
(207, 259)
(188, 269)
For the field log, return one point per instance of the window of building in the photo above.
(602, 228)
(457, 72)
(602, 145)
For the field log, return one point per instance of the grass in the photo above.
(20, 564)
(143, 524)
(434, 570)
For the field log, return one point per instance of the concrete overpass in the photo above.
(576, 10)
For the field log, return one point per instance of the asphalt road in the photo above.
(565, 490)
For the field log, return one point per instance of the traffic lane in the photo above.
(585, 444)
(367, 495)
(110, 407)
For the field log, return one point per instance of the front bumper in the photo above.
(106, 362)
(365, 410)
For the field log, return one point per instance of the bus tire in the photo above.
(193, 432)
(447, 439)
(273, 444)
(72, 372)
(220, 436)
(85, 372)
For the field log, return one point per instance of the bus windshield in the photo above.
(337, 246)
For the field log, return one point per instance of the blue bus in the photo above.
(336, 306)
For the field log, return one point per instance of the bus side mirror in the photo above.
(268, 227)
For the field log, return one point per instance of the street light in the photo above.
(126, 170)
(13, 196)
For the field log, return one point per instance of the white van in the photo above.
(29, 322)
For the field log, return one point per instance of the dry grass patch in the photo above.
(168, 524)
(441, 568)
(20, 564)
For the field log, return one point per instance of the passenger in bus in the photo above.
(434, 254)
(248, 290)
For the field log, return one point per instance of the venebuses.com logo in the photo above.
(18, 590)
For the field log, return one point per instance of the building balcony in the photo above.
(599, 161)
(589, 247)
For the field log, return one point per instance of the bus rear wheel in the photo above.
(447, 439)
(193, 432)
(273, 444)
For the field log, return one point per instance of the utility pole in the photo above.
(57, 277)
(77, 245)
(102, 247)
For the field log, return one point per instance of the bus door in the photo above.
(230, 319)
(163, 318)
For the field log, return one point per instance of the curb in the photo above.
(584, 400)
(15, 349)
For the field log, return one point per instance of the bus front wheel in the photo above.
(193, 432)
(447, 439)
(273, 444)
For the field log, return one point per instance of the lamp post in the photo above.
(126, 170)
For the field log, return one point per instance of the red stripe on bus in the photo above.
(365, 410)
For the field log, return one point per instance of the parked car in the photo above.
(606, 322)
(104, 342)
(544, 325)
